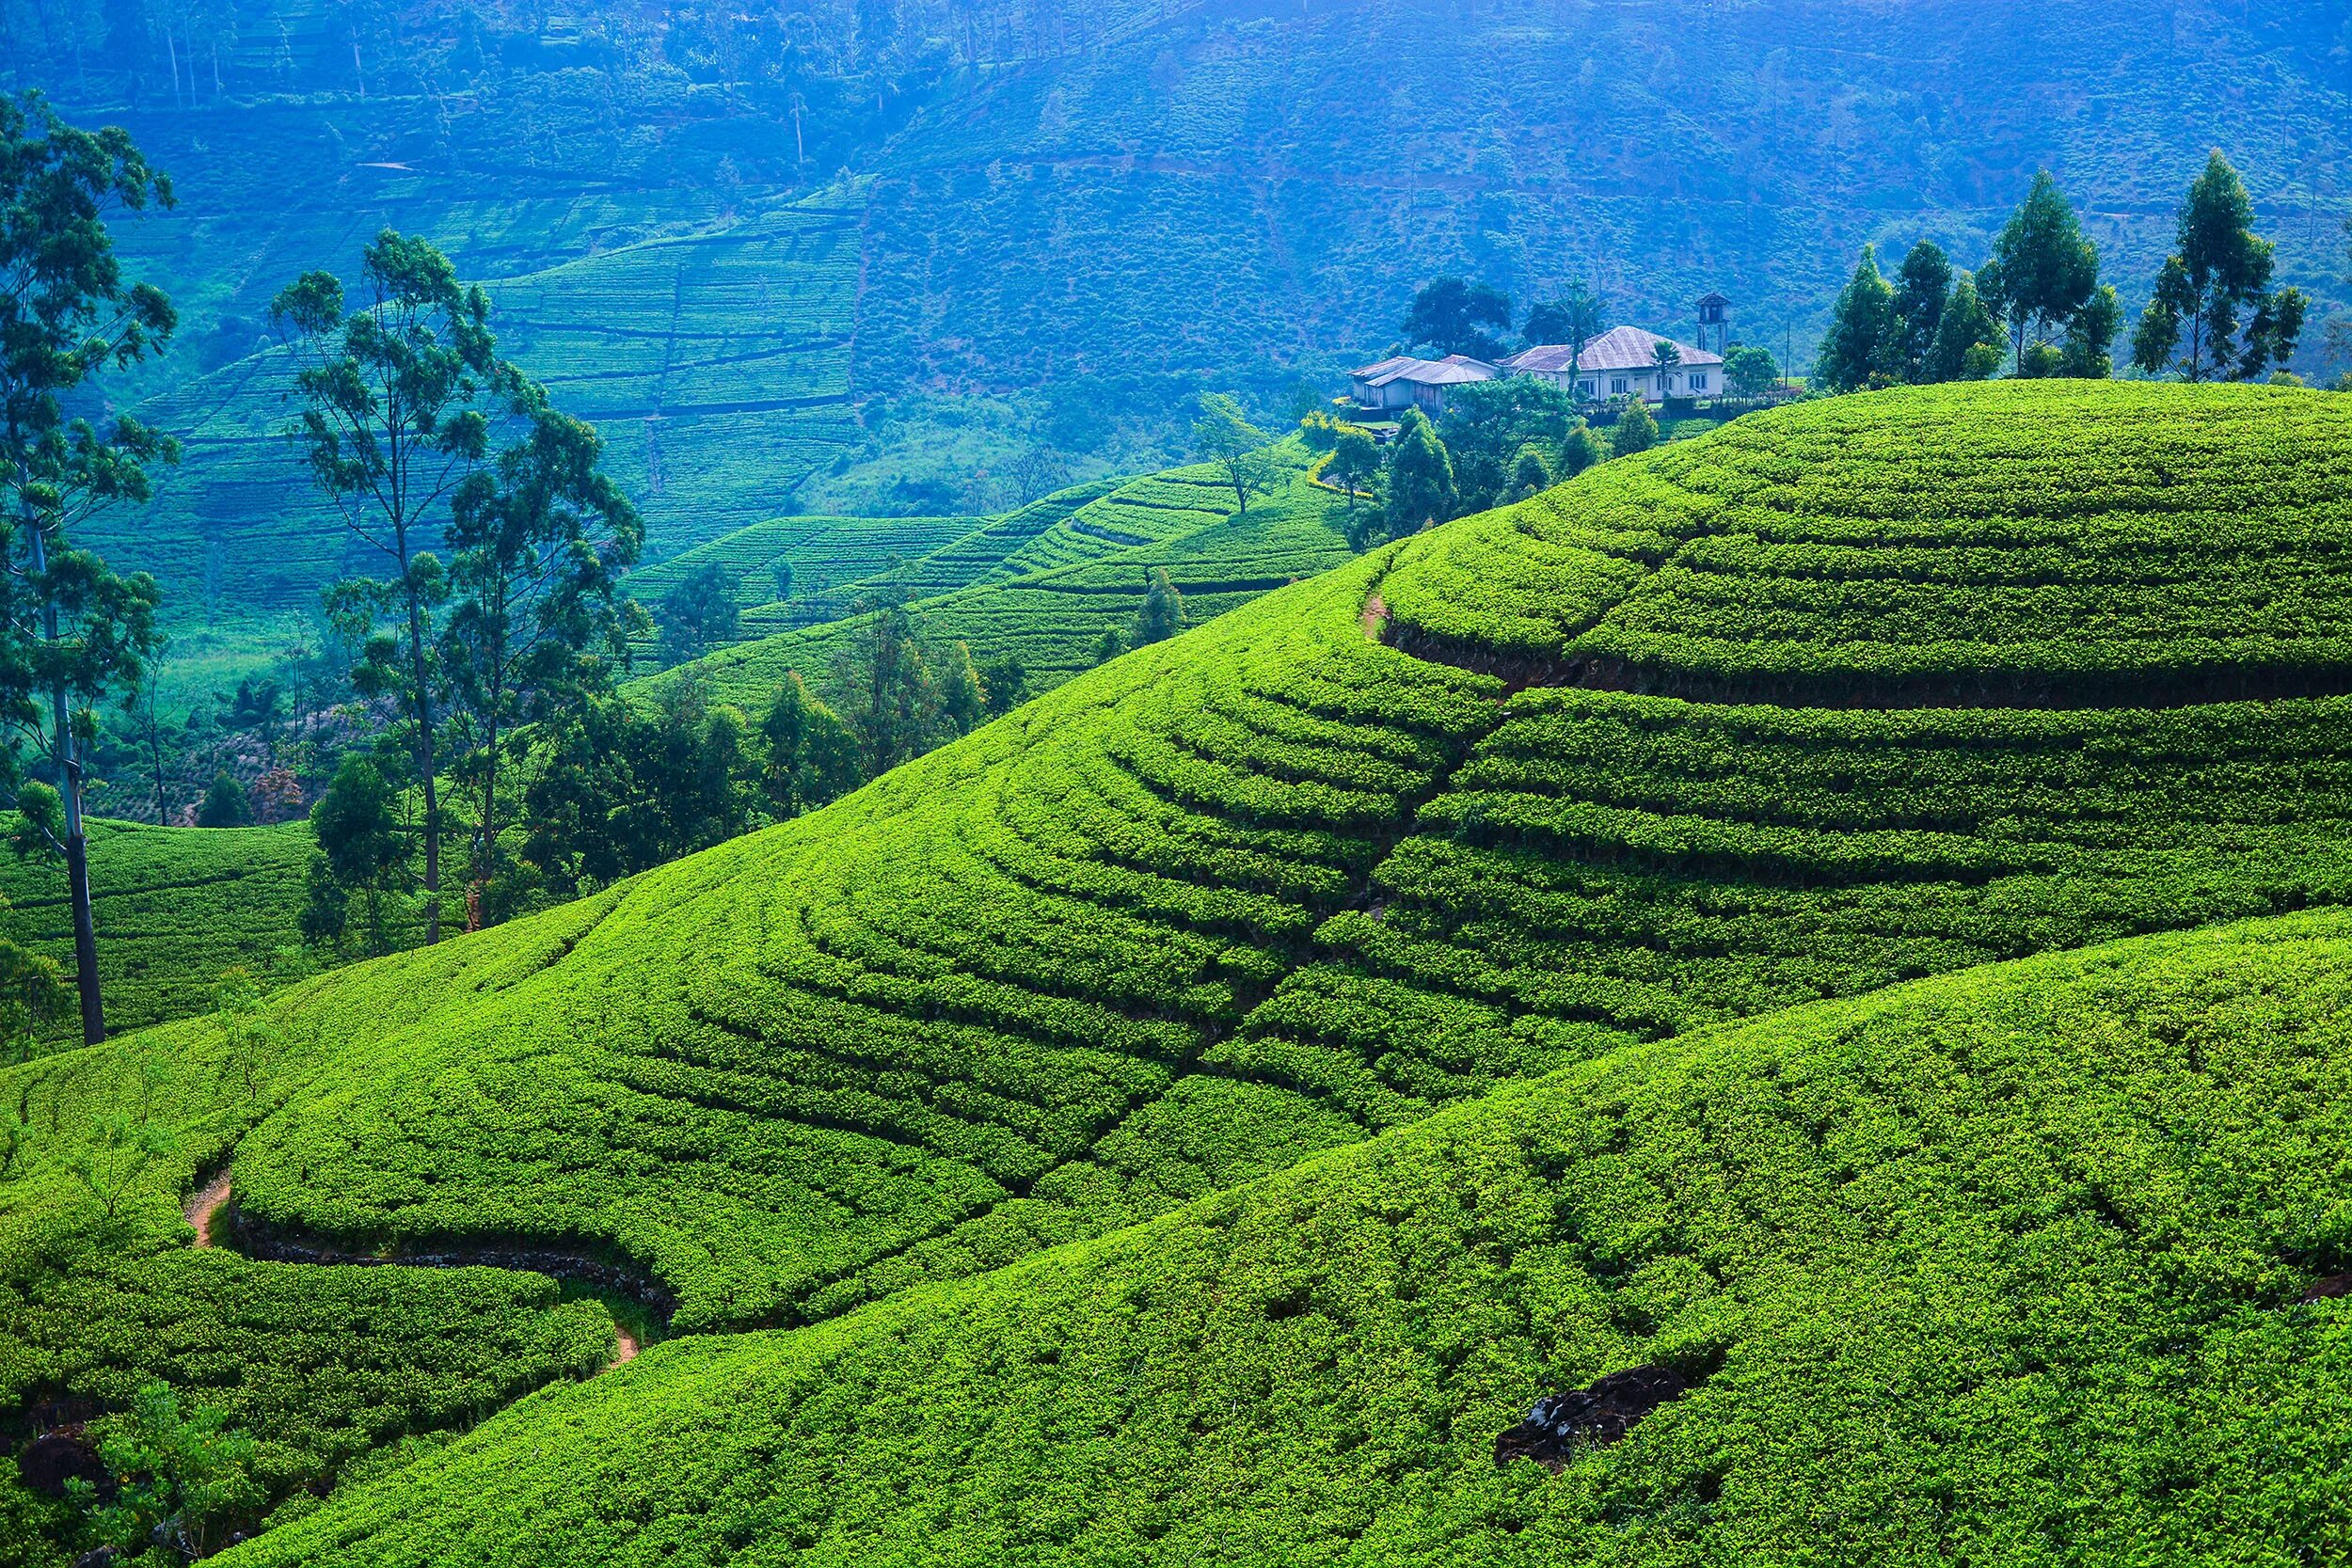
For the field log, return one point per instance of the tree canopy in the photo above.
(1455, 316)
(2214, 312)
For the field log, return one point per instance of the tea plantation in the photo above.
(1541, 792)
(176, 906)
(1043, 584)
(2008, 1266)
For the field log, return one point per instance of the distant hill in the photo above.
(1044, 584)
(1046, 248)
(1839, 697)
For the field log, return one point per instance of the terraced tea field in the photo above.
(1452, 817)
(716, 366)
(1100, 559)
(174, 906)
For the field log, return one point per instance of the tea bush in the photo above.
(1310, 872)
(2006, 1265)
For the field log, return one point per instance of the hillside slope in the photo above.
(1250, 189)
(1329, 863)
(1043, 585)
(175, 907)
(2004, 1266)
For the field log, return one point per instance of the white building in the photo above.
(1404, 382)
(1623, 362)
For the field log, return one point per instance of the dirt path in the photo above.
(205, 1206)
(1376, 616)
(626, 1348)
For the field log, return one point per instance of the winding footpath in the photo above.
(205, 1205)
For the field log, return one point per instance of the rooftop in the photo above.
(1620, 348)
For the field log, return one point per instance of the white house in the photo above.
(1406, 382)
(1623, 362)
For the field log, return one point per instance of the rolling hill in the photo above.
(1858, 692)
(2012, 1264)
(1250, 190)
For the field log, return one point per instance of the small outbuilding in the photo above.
(1404, 382)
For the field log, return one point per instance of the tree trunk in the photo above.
(85, 933)
(425, 764)
(77, 846)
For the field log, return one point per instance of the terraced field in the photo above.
(716, 365)
(1341, 859)
(174, 905)
(2008, 1265)
(826, 554)
(1051, 617)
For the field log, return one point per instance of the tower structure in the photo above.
(1714, 324)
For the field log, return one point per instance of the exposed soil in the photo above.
(1376, 615)
(205, 1206)
(1600, 1412)
(626, 1348)
(2330, 1286)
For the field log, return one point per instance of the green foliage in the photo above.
(1355, 463)
(1636, 430)
(1574, 318)
(1530, 475)
(363, 848)
(1864, 346)
(812, 756)
(700, 613)
(397, 399)
(2044, 270)
(1420, 488)
(1840, 695)
(224, 804)
(1749, 371)
(74, 632)
(2218, 267)
(1968, 336)
(2006, 1264)
(1162, 615)
(1222, 434)
(1488, 424)
(188, 903)
(186, 1478)
(1923, 285)
(1454, 316)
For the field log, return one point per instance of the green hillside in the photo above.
(2003, 1266)
(1049, 580)
(174, 907)
(757, 333)
(1326, 865)
(821, 551)
(713, 410)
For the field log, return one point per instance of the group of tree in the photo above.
(1456, 315)
(1933, 323)
(2037, 307)
(74, 632)
(616, 785)
(1496, 442)
(2214, 313)
(412, 424)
